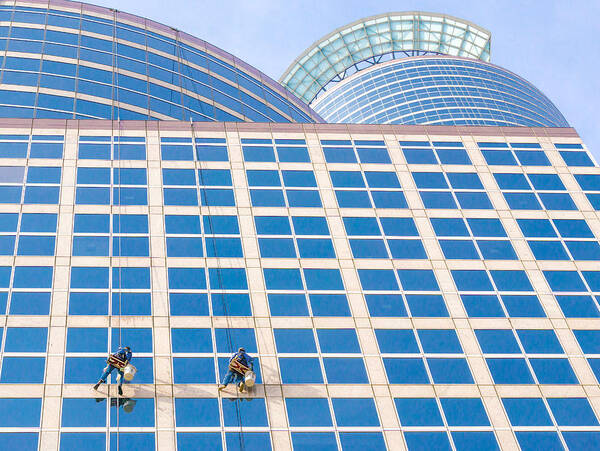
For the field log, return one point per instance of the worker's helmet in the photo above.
(241, 350)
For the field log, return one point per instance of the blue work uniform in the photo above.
(234, 376)
(121, 354)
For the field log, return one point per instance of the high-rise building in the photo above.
(399, 286)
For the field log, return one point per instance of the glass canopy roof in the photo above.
(366, 41)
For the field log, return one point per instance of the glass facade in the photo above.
(438, 91)
(434, 288)
(74, 61)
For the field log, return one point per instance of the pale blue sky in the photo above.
(554, 44)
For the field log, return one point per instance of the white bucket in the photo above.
(129, 371)
(249, 378)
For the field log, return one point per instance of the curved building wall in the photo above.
(438, 91)
(72, 60)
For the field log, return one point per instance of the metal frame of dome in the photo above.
(368, 41)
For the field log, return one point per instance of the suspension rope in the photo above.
(223, 295)
(116, 78)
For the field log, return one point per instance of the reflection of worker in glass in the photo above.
(239, 363)
(116, 361)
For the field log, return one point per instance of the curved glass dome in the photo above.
(369, 41)
(71, 60)
(438, 91)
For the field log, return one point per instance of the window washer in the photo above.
(239, 364)
(116, 361)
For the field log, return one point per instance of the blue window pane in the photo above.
(573, 228)
(439, 341)
(361, 226)
(10, 194)
(32, 277)
(7, 245)
(192, 304)
(347, 179)
(338, 340)
(362, 440)
(329, 305)
(572, 412)
(511, 280)
(300, 370)
(310, 225)
(72, 441)
(24, 303)
(26, 441)
(389, 199)
(546, 182)
(180, 196)
(23, 370)
(38, 174)
(424, 441)
(306, 412)
(272, 225)
(323, 279)
(38, 222)
(397, 341)
(267, 198)
(532, 158)
(380, 179)
(589, 340)
(377, 279)
(20, 412)
(578, 306)
(418, 280)
(449, 227)
(530, 441)
(355, 412)
(184, 247)
(486, 227)
(229, 340)
(26, 339)
(464, 412)
(540, 342)
(482, 306)
(426, 305)
(190, 441)
(261, 178)
(459, 249)
(473, 441)
(405, 371)
(450, 371)
(522, 201)
(368, 249)
(512, 181)
(282, 279)
(353, 199)
(509, 371)
(250, 440)
(584, 250)
(188, 370)
(191, 340)
(496, 250)
(407, 249)
(399, 227)
(437, 199)
(576, 158)
(527, 412)
(497, 341)
(77, 412)
(41, 195)
(557, 201)
(314, 441)
(430, 180)
(315, 248)
(134, 441)
(418, 412)
(87, 303)
(523, 306)
(582, 440)
(134, 304)
(231, 304)
(553, 371)
(541, 228)
(341, 370)
(288, 305)
(499, 157)
(303, 198)
(419, 156)
(258, 153)
(474, 200)
(187, 278)
(295, 340)
(197, 412)
(564, 281)
(339, 155)
(464, 180)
